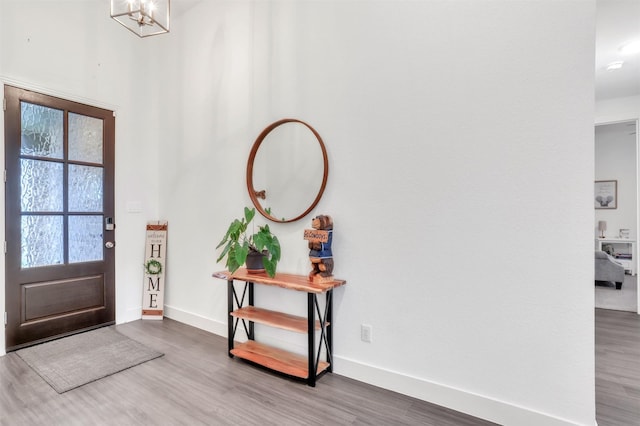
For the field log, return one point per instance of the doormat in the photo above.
(76, 360)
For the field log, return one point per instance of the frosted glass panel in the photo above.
(41, 186)
(85, 238)
(85, 188)
(42, 131)
(42, 241)
(85, 138)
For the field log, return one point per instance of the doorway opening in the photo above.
(616, 224)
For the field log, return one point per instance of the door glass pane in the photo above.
(85, 188)
(42, 241)
(85, 138)
(42, 131)
(85, 238)
(40, 186)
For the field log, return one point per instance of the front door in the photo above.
(59, 161)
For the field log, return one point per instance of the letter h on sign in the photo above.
(155, 250)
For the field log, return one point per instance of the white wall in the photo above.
(459, 150)
(461, 164)
(617, 109)
(615, 159)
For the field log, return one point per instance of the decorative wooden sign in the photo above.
(316, 236)
(154, 271)
(320, 254)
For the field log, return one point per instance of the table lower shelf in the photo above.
(274, 319)
(276, 359)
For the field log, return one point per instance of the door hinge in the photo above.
(5, 175)
(5, 318)
(4, 104)
(5, 247)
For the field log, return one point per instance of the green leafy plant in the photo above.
(238, 243)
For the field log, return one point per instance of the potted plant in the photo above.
(241, 247)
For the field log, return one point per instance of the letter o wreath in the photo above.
(153, 267)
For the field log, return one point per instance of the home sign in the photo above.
(154, 270)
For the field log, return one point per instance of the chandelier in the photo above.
(142, 17)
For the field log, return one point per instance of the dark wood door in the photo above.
(59, 250)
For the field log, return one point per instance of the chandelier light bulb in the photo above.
(142, 17)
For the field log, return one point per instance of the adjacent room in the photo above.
(427, 229)
(616, 168)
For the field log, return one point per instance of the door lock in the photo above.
(109, 244)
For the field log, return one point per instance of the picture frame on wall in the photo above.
(606, 194)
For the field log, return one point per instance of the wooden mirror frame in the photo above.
(254, 195)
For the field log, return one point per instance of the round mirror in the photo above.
(287, 170)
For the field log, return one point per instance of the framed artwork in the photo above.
(606, 194)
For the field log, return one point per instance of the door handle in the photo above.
(109, 244)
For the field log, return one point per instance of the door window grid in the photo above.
(53, 187)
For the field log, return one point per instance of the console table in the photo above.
(622, 245)
(308, 368)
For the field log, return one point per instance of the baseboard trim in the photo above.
(129, 315)
(196, 320)
(456, 399)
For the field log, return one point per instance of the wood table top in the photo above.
(284, 280)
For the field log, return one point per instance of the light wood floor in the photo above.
(195, 383)
(617, 368)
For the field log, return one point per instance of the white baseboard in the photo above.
(456, 399)
(196, 320)
(129, 315)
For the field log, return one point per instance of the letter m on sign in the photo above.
(153, 286)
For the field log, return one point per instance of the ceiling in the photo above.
(617, 23)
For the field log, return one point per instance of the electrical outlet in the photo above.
(365, 333)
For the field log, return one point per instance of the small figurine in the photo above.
(320, 254)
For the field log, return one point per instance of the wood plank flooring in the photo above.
(617, 368)
(196, 383)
